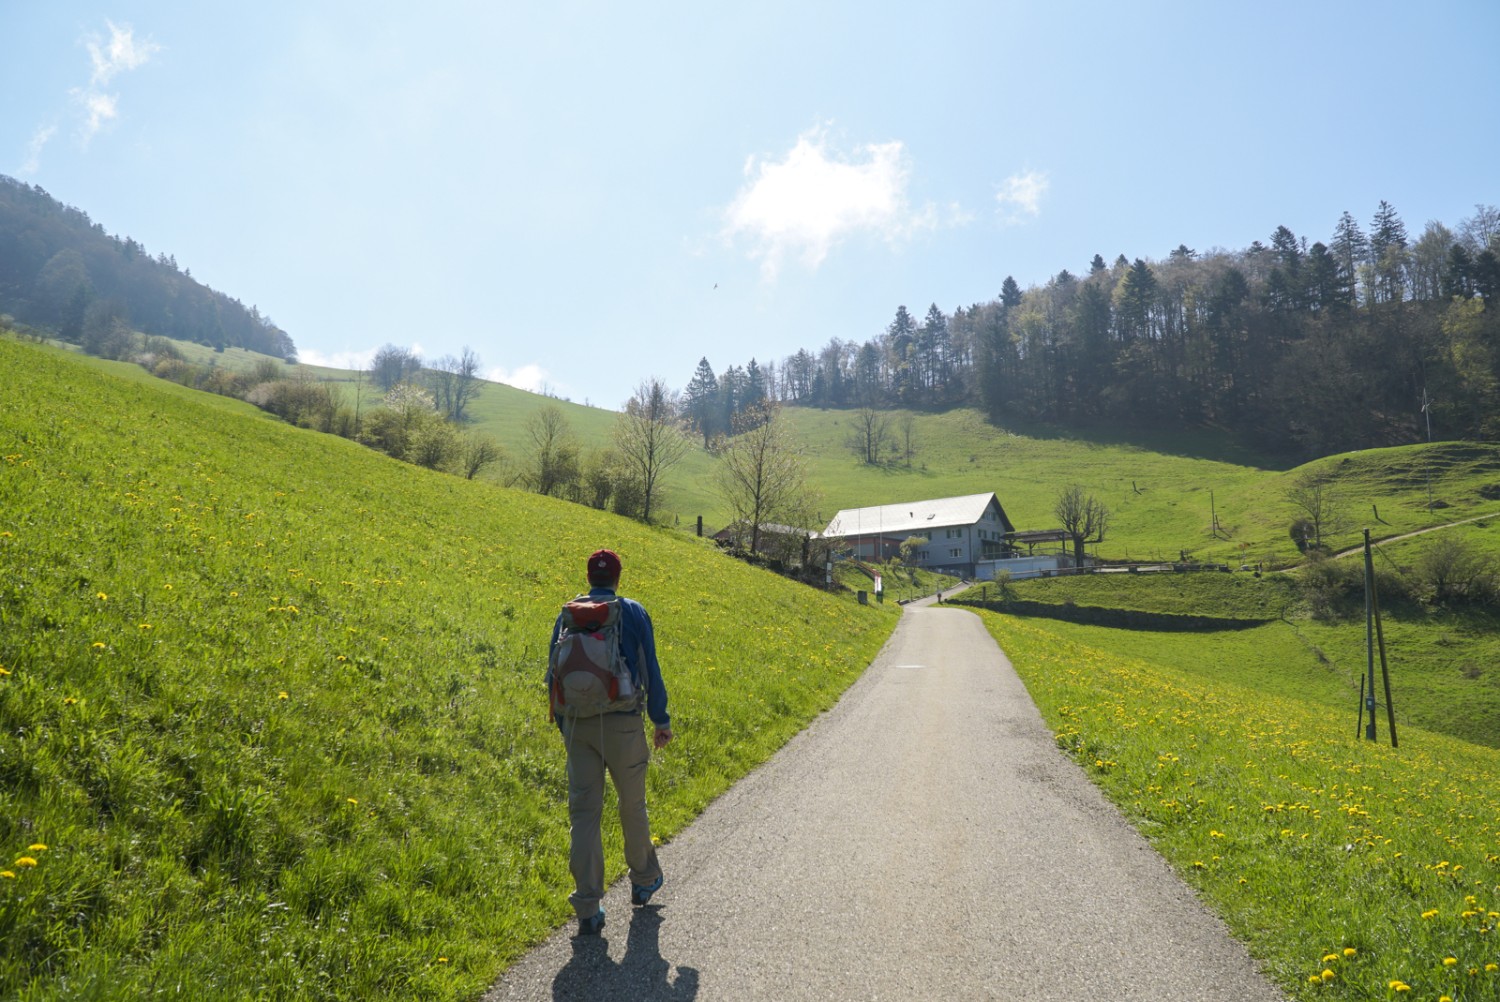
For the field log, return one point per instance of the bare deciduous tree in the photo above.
(455, 381)
(650, 440)
(553, 461)
(1084, 518)
(476, 452)
(870, 435)
(761, 475)
(1316, 498)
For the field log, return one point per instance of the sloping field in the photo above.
(271, 722)
(1351, 869)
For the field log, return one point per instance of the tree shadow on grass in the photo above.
(591, 975)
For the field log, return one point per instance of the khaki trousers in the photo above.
(615, 742)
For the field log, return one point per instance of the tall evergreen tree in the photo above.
(1350, 249)
(701, 401)
(1388, 255)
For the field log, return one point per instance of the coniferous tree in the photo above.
(701, 401)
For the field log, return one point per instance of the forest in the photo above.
(59, 270)
(1304, 349)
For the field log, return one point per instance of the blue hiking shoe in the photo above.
(592, 925)
(640, 895)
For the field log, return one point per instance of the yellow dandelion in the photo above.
(352, 800)
(3, 673)
(145, 626)
(70, 700)
(442, 960)
(283, 694)
(1327, 975)
(37, 847)
(1313, 979)
(1445, 998)
(1330, 958)
(1450, 961)
(8, 874)
(1492, 968)
(25, 862)
(166, 587)
(1350, 951)
(103, 597)
(1430, 914)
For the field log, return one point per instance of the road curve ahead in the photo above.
(924, 839)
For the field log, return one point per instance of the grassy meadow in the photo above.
(271, 720)
(1350, 869)
(1164, 489)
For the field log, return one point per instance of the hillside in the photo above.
(60, 270)
(271, 703)
(1164, 489)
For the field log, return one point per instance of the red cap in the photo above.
(604, 567)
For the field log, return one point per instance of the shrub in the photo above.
(1453, 573)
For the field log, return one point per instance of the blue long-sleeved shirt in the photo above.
(639, 640)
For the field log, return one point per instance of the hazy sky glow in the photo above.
(588, 194)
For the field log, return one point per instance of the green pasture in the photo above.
(271, 722)
(1440, 660)
(1191, 491)
(1352, 870)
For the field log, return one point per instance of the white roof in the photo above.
(914, 516)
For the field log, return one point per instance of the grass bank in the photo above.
(271, 721)
(1351, 869)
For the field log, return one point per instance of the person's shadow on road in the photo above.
(591, 974)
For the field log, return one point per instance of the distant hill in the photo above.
(61, 271)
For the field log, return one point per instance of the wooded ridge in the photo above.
(1305, 349)
(60, 270)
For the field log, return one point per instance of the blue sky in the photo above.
(588, 194)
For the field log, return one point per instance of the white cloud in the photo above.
(337, 359)
(98, 109)
(805, 203)
(39, 139)
(120, 53)
(1020, 196)
(527, 377)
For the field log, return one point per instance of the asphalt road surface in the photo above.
(923, 839)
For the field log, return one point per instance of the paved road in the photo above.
(923, 839)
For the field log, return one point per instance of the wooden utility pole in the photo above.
(1374, 638)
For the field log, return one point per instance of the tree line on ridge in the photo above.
(1372, 338)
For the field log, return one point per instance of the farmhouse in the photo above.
(969, 537)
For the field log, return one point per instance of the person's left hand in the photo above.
(663, 738)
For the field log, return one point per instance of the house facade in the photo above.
(962, 534)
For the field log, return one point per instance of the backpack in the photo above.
(587, 666)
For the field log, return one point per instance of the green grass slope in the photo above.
(1352, 870)
(1439, 659)
(271, 722)
(1163, 495)
(1164, 489)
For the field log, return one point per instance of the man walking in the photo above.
(612, 741)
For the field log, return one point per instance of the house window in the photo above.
(955, 534)
(955, 552)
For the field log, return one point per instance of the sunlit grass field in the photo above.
(271, 719)
(1351, 869)
(1441, 661)
(1169, 491)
